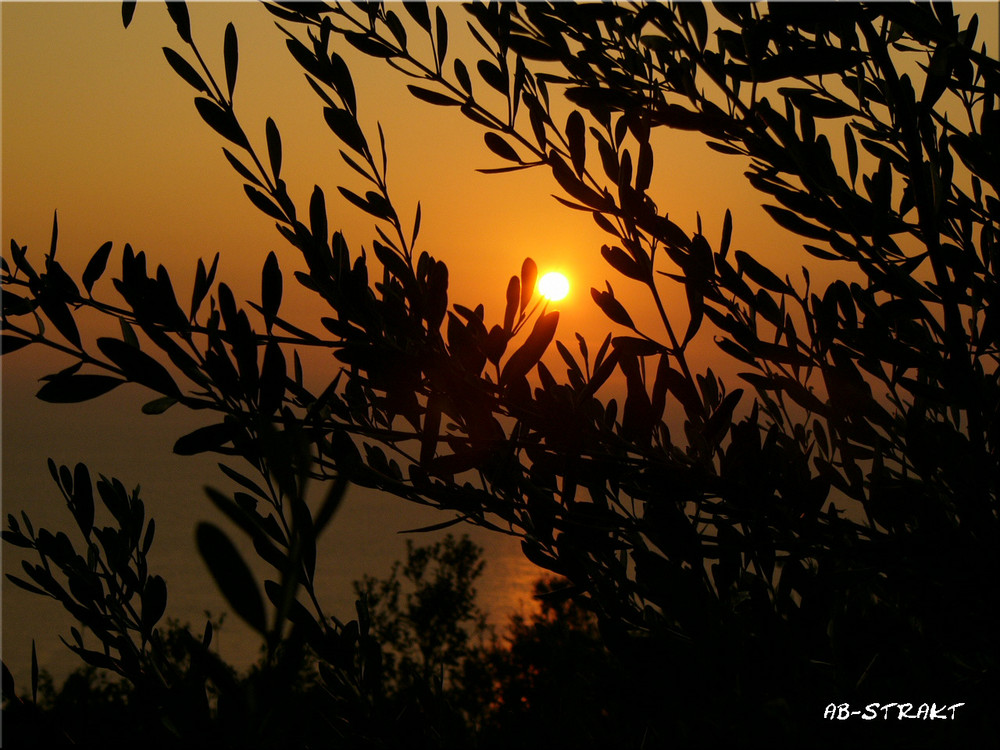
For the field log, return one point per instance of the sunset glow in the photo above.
(553, 286)
(479, 389)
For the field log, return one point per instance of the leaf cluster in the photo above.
(770, 534)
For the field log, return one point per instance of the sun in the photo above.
(553, 286)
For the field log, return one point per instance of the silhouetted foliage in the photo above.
(96, 707)
(555, 683)
(829, 537)
(429, 629)
(443, 683)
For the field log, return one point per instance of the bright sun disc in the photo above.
(553, 286)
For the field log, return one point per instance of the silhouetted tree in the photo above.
(429, 628)
(830, 538)
(443, 684)
(552, 681)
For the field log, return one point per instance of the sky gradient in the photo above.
(98, 127)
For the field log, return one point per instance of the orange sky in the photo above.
(97, 126)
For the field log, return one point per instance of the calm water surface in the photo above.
(114, 439)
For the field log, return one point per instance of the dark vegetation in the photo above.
(447, 679)
(822, 530)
